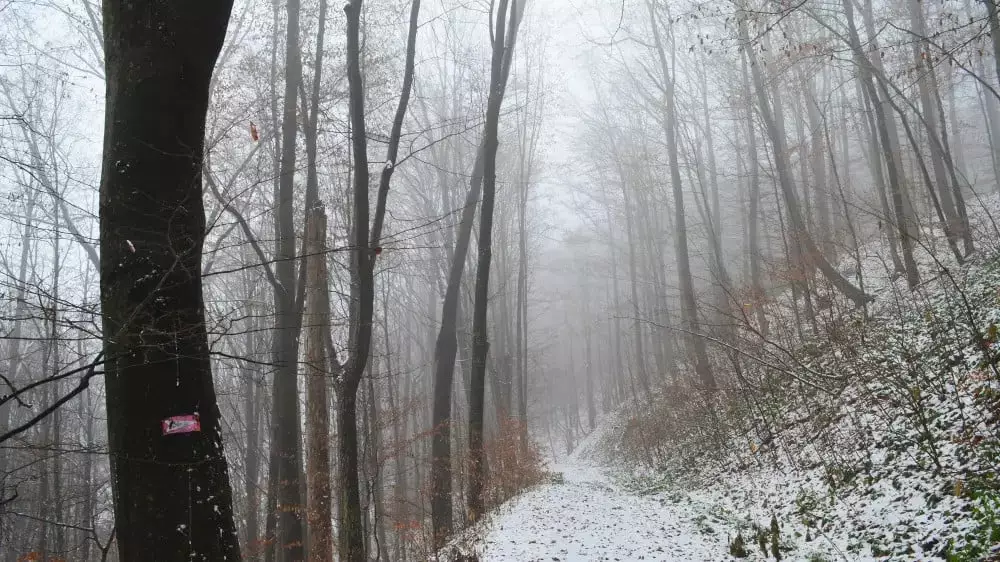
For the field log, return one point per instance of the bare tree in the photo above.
(480, 342)
(162, 410)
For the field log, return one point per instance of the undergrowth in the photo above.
(880, 442)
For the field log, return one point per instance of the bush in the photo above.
(514, 463)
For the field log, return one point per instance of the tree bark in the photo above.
(689, 307)
(756, 281)
(351, 540)
(286, 430)
(317, 325)
(480, 342)
(172, 494)
(351, 532)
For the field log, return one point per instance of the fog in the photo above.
(681, 192)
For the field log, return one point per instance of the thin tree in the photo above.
(480, 342)
(285, 461)
(446, 345)
(689, 307)
(773, 125)
(365, 246)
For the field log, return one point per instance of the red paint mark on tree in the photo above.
(181, 424)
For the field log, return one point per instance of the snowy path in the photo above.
(588, 518)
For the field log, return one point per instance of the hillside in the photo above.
(885, 447)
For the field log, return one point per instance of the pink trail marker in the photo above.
(181, 424)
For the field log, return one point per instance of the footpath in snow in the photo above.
(588, 518)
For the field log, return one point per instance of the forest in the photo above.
(499, 280)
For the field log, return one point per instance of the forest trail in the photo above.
(589, 518)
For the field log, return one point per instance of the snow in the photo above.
(898, 464)
(589, 517)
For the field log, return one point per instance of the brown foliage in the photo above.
(514, 463)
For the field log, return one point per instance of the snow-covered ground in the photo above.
(588, 517)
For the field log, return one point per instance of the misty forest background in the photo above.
(441, 241)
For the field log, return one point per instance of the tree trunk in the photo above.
(723, 286)
(480, 342)
(689, 307)
(286, 433)
(991, 112)
(587, 329)
(875, 164)
(351, 531)
(13, 350)
(446, 347)
(251, 478)
(991, 14)
(925, 81)
(317, 325)
(817, 161)
(944, 148)
(158, 65)
(640, 357)
(875, 57)
(618, 371)
(904, 223)
(86, 520)
(803, 239)
(756, 281)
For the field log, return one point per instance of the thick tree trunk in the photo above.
(158, 65)
(351, 537)
(271, 507)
